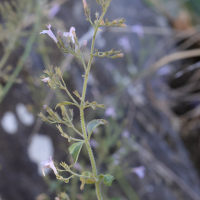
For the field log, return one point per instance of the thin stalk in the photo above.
(23, 58)
(72, 98)
(5, 57)
(76, 130)
(94, 169)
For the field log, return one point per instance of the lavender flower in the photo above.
(85, 42)
(59, 33)
(110, 111)
(48, 164)
(125, 43)
(84, 4)
(45, 79)
(140, 171)
(45, 106)
(70, 34)
(138, 29)
(94, 143)
(165, 70)
(78, 167)
(125, 134)
(50, 33)
(54, 10)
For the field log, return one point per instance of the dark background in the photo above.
(158, 109)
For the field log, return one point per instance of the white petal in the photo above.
(72, 29)
(43, 171)
(44, 31)
(66, 34)
(49, 26)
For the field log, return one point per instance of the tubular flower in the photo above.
(84, 4)
(85, 42)
(48, 164)
(70, 34)
(45, 79)
(140, 171)
(50, 33)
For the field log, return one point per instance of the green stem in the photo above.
(94, 169)
(5, 57)
(98, 192)
(23, 58)
(72, 98)
(10, 47)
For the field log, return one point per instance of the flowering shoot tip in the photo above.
(85, 43)
(49, 164)
(50, 33)
(70, 34)
(45, 79)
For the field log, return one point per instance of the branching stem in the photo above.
(94, 169)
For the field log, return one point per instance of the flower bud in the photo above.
(120, 55)
(102, 22)
(45, 106)
(123, 25)
(45, 79)
(85, 4)
(85, 43)
(59, 33)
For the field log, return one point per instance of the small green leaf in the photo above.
(65, 103)
(107, 179)
(77, 94)
(71, 114)
(93, 124)
(75, 149)
(84, 180)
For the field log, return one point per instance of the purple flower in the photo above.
(54, 10)
(125, 134)
(84, 4)
(138, 29)
(50, 33)
(85, 42)
(45, 79)
(94, 143)
(165, 70)
(59, 33)
(48, 164)
(70, 34)
(45, 106)
(110, 111)
(78, 167)
(125, 43)
(140, 171)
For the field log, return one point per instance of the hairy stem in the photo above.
(94, 169)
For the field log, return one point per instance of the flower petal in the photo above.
(66, 34)
(44, 31)
(50, 33)
(49, 26)
(43, 171)
(72, 29)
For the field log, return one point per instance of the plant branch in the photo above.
(94, 170)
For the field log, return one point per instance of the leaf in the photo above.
(64, 103)
(84, 180)
(94, 105)
(93, 124)
(75, 149)
(107, 179)
(77, 94)
(71, 114)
